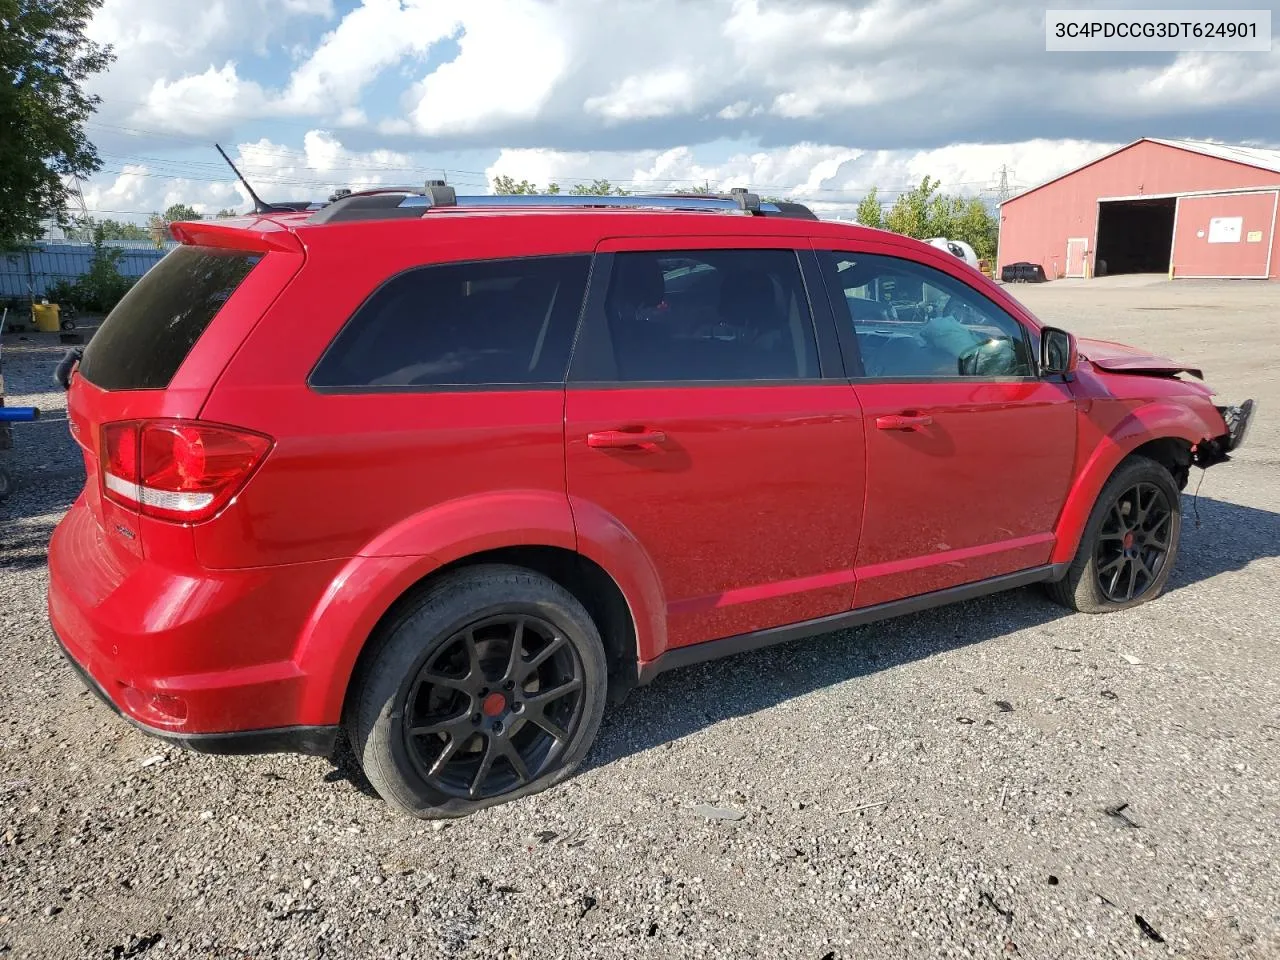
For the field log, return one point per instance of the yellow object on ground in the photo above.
(45, 317)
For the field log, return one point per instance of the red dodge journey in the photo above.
(446, 474)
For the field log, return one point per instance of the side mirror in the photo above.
(1058, 352)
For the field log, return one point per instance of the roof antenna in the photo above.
(258, 205)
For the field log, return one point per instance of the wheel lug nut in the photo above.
(497, 727)
(475, 718)
(517, 708)
(510, 685)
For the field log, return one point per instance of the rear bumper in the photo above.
(316, 741)
(201, 658)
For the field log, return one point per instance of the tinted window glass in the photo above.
(144, 340)
(710, 315)
(914, 321)
(459, 324)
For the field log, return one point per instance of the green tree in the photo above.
(119, 230)
(977, 226)
(158, 230)
(870, 212)
(924, 212)
(181, 211)
(909, 214)
(507, 186)
(85, 229)
(704, 188)
(226, 212)
(158, 223)
(598, 188)
(44, 60)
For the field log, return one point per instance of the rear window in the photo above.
(489, 322)
(144, 340)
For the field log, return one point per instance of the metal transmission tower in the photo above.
(78, 209)
(1004, 192)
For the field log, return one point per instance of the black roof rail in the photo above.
(382, 203)
(395, 203)
(798, 211)
(781, 208)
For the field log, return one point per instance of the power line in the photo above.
(353, 163)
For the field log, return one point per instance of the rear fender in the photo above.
(1152, 421)
(603, 539)
(369, 585)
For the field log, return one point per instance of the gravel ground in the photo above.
(943, 785)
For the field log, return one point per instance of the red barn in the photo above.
(1186, 208)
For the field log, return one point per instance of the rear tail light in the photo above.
(181, 470)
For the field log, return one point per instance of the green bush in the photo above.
(61, 291)
(101, 287)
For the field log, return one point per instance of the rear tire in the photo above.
(1129, 545)
(489, 688)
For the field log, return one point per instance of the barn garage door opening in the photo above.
(1134, 236)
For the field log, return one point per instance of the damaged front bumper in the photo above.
(1238, 419)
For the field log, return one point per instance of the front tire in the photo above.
(1129, 545)
(489, 688)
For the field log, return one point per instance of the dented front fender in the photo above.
(1109, 432)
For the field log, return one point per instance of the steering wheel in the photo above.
(968, 361)
(964, 312)
(921, 312)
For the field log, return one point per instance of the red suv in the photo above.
(447, 473)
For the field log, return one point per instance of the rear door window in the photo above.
(144, 340)
(490, 322)
(709, 315)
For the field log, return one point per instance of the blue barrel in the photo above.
(18, 414)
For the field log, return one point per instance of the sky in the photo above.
(817, 100)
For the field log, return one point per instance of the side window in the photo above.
(911, 320)
(710, 315)
(462, 324)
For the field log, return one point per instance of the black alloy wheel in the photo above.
(493, 707)
(1129, 545)
(1133, 543)
(488, 685)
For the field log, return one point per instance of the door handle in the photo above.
(615, 439)
(903, 422)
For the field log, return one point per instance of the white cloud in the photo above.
(1208, 80)
(549, 73)
(138, 191)
(510, 60)
(158, 40)
(736, 111)
(195, 103)
(313, 170)
(371, 38)
(825, 97)
(128, 191)
(657, 94)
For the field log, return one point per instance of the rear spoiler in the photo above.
(257, 234)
